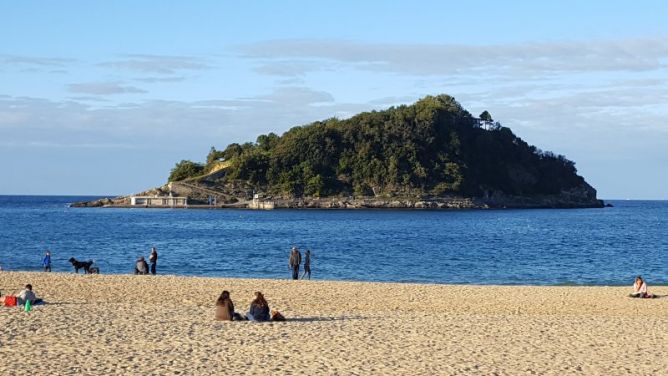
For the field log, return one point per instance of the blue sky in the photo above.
(104, 97)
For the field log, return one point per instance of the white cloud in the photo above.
(158, 64)
(296, 57)
(152, 80)
(104, 88)
(35, 122)
(20, 60)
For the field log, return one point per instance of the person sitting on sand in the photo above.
(224, 307)
(640, 289)
(259, 308)
(141, 267)
(27, 294)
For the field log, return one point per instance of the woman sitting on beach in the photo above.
(224, 307)
(259, 309)
(640, 289)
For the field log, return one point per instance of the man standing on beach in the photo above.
(46, 261)
(293, 263)
(153, 259)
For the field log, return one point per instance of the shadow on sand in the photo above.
(319, 318)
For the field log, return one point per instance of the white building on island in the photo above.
(159, 201)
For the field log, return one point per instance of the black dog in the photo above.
(85, 265)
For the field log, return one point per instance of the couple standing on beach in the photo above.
(296, 259)
(141, 267)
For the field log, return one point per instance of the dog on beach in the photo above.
(85, 265)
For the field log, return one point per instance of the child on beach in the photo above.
(153, 259)
(640, 289)
(46, 261)
(224, 307)
(307, 264)
(259, 308)
(27, 294)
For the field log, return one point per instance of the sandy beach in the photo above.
(123, 324)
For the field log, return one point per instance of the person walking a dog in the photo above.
(293, 263)
(153, 259)
(46, 261)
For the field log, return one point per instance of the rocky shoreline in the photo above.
(578, 198)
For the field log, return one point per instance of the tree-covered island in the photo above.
(431, 154)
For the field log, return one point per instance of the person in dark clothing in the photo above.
(259, 308)
(293, 263)
(141, 267)
(47, 261)
(224, 307)
(153, 259)
(307, 264)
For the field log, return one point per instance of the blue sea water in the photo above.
(546, 247)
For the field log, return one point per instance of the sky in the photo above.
(104, 97)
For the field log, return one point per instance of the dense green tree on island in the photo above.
(185, 169)
(432, 147)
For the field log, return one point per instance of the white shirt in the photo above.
(640, 289)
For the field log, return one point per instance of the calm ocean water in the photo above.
(578, 246)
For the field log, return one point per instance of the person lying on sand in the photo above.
(27, 294)
(259, 308)
(640, 289)
(224, 307)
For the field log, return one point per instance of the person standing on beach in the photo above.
(153, 259)
(307, 264)
(46, 261)
(293, 263)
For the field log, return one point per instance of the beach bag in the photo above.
(277, 316)
(10, 301)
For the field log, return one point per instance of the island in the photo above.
(432, 154)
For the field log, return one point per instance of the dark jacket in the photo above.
(141, 267)
(295, 259)
(153, 257)
(259, 313)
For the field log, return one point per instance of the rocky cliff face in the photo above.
(582, 196)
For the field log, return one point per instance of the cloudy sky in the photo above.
(104, 97)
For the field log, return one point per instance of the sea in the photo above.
(607, 246)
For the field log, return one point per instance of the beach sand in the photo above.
(122, 324)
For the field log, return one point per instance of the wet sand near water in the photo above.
(163, 325)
